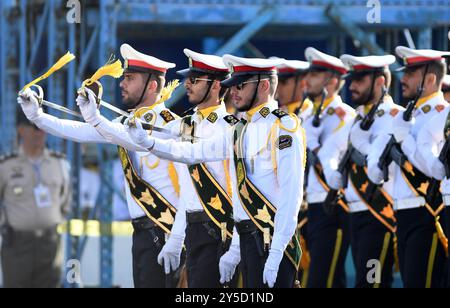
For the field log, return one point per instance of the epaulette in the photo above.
(279, 113)
(340, 112)
(440, 108)
(231, 119)
(167, 116)
(394, 112)
(8, 156)
(288, 121)
(57, 155)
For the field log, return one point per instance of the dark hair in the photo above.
(273, 83)
(159, 81)
(386, 73)
(439, 69)
(341, 82)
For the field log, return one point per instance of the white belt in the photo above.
(316, 198)
(410, 203)
(446, 199)
(358, 206)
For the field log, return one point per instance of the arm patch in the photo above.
(284, 142)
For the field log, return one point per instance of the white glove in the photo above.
(271, 268)
(29, 103)
(335, 180)
(139, 135)
(228, 264)
(375, 174)
(401, 127)
(88, 107)
(360, 138)
(312, 134)
(170, 255)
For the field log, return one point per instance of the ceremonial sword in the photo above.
(111, 107)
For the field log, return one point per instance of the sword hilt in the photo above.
(40, 94)
(95, 87)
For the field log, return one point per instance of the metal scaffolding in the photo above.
(35, 33)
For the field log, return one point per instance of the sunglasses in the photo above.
(193, 80)
(241, 86)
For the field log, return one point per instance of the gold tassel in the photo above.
(173, 175)
(441, 235)
(111, 68)
(396, 260)
(68, 57)
(166, 93)
(305, 261)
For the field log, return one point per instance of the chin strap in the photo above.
(255, 95)
(143, 91)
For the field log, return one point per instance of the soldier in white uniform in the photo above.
(267, 152)
(372, 219)
(291, 88)
(432, 143)
(328, 235)
(205, 201)
(421, 254)
(152, 188)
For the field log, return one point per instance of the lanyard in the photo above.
(37, 171)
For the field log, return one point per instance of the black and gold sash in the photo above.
(377, 200)
(420, 184)
(155, 206)
(318, 170)
(256, 205)
(215, 201)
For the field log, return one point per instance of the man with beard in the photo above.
(372, 220)
(151, 188)
(328, 235)
(206, 200)
(291, 88)
(421, 256)
(431, 142)
(267, 163)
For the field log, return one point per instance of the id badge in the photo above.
(42, 196)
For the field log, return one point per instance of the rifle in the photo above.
(333, 194)
(352, 155)
(387, 155)
(368, 120)
(317, 116)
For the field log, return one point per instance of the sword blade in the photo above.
(147, 126)
(114, 109)
(61, 108)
